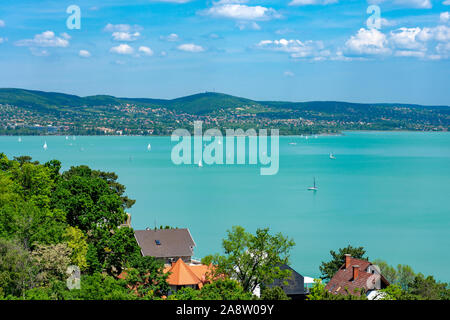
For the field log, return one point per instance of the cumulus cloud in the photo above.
(311, 2)
(44, 39)
(125, 36)
(446, 3)
(288, 74)
(146, 51)
(408, 38)
(173, 37)
(2, 40)
(296, 48)
(444, 17)
(84, 53)
(190, 47)
(367, 42)
(122, 49)
(237, 10)
(2, 23)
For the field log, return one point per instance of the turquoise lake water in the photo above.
(388, 192)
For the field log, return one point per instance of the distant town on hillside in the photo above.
(29, 112)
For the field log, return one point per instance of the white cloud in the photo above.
(241, 12)
(446, 3)
(407, 38)
(125, 36)
(66, 36)
(121, 28)
(444, 17)
(251, 25)
(173, 37)
(1, 40)
(2, 23)
(122, 49)
(145, 51)
(420, 4)
(44, 39)
(311, 2)
(367, 42)
(296, 48)
(410, 53)
(288, 74)
(190, 47)
(84, 54)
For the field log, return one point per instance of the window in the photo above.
(158, 243)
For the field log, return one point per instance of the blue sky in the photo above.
(294, 50)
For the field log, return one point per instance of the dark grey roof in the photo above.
(295, 284)
(174, 242)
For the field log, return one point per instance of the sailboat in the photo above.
(20, 139)
(332, 157)
(314, 188)
(149, 147)
(45, 145)
(200, 164)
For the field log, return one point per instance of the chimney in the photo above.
(347, 260)
(355, 272)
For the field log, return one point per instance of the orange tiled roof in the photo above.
(182, 274)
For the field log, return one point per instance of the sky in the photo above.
(291, 50)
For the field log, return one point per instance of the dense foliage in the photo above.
(51, 220)
(253, 260)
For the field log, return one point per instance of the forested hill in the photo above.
(197, 103)
(22, 109)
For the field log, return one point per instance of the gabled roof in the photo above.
(343, 278)
(295, 283)
(165, 243)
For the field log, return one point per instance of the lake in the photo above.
(386, 191)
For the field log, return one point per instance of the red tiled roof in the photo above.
(343, 279)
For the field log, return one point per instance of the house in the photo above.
(182, 275)
(294, 286)
(168, 245)
(358, 277)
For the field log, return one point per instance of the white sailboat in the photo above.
(313, 188)
(149, 147)
(67, 138)
(332, 157)
(200, 164)
(20, 139)
(45, 145)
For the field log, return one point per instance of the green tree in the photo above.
(253, 259)
(146, 277)
(275, 293)
(17, 270)
(77, 241)
(318, 292)
(427, 288)
(53, 261)
(389, 272)
(328, 269)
